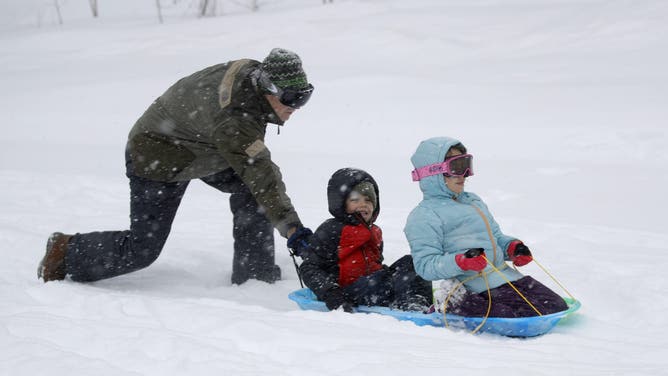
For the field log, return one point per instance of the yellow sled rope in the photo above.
(489, 293)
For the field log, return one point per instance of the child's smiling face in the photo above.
(359, 203)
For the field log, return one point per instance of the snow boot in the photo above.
(269, 274)
(52, 266)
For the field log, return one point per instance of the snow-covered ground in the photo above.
(564, 104)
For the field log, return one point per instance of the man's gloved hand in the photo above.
(298, 242)
(473, 259)
(519, 253)
(335, 299)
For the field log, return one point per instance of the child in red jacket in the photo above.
(343, 262)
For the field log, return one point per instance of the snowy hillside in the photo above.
(562, 102)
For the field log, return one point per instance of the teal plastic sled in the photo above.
(511, 327)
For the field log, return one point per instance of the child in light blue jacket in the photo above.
(452, 234)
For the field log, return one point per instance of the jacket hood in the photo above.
(340, 185)
(250, 98)
(432, 151)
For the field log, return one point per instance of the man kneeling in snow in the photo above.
(208, 126)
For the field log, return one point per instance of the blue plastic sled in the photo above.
(512, 327)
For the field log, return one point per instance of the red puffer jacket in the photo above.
(360, 252)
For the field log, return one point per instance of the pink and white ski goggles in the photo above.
(459, 165)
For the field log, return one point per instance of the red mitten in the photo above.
(519, 253)
(473, 259)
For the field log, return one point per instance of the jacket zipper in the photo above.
(364, 255)
(487, 226)
(366, 260)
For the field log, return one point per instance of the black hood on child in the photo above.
(339, 187)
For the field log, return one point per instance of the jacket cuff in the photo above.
(511, 248)
(285, 225)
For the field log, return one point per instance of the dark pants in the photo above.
(506, 302)
(397, 286)
(99, 255)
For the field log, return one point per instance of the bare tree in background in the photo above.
(203, 4)
(57, 6)
(157, 4)
(93, 7)
(207, 8)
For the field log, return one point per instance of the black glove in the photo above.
(522, 250)
(298, 241)
(335, 299)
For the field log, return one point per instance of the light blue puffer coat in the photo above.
(445, 224)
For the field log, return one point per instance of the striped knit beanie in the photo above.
(285, 69)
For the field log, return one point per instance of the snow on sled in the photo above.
(511, 327)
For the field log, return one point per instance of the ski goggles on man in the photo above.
(458, 165)
(294, 98)
(290, 97)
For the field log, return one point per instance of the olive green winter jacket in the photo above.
(209, 121)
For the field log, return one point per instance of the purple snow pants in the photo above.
(506, 302)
